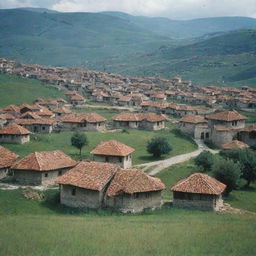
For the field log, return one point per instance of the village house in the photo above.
(7, 158)
(85, 185)
(198, 191)
(14, 134)
(61, 112)
(247, 135)
(191, 124)
(38, 125)
(113, 151)
(77, 100)
(83, 122)
(147, 121)
(42, 168)
(133, 190)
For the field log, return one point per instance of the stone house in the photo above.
(247, 135)
(14, 134)
(42, 168)
(190, 124)
(77, 100)
(85, 185)
(115, 152)
(7, 158)
(39, 125)
(198, 191)
(61, 112)
(133, 190)
(147, 121)
(83, 122)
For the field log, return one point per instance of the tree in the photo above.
(205, 160)
(227, 172)
(79, 140)
(158, 146)
(247, 160)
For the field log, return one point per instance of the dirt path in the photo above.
(160, 165)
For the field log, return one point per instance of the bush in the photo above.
(158, 146)
(79, 140)
(227, 172)
(205, 161)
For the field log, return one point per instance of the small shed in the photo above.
(133, 190)
(113, 151)
(198, 191)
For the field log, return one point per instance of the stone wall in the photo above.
(187, 128)
(235, 125)
(199, 202)
(152, 125)
(124, 162)
(38, 128)
(14, 139)
(135, 202)
(88, 127)
(3, 172)
(247, 137)
(222, 137)
(82, 198)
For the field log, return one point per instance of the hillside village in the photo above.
(208, 114)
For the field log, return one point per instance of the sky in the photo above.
(173, 9)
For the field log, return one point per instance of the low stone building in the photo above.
(113, 151)
(132, 190)
(7, 158)
(39, 125)
(85, 185)
(235, 144)
(147, 121)
(14, 134)
(61, 112)
(83, 122)
(198, 191)
(190, 124)
(247, 135)
(42, 168)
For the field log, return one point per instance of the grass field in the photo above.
(134, 138)
(16, 90)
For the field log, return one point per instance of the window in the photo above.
(43, 128)
(46, 175)
(73, 191)
(59, 173)
(158, 123)
(107, 159)
(120, 159)
(234, 123)
(136, 195)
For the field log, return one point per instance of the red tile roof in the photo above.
(80, 118)
(62, 110)
(199, 183)
(226, 116)
(89, 175)
(136, 117)
(7, 157)
(235, 144)
(14, 129)
(112, 148)
(41, 121)
(195, 119)
(132, 181)
(45, 161)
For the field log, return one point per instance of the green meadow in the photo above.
(16, 90)
(134, 138)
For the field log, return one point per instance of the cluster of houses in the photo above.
(108, 181)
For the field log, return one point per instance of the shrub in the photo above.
(79, 140)
(227, 172)
(205, 161)
(158, 146)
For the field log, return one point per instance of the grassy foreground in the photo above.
(134, 138)
(16, 90)
(45, 228)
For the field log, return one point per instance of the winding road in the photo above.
(160, 165)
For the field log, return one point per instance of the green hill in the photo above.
(15, 90)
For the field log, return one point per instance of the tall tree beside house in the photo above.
(158, 146)
(79, 140)
(227, 172)
(205, 161)
(247, 160)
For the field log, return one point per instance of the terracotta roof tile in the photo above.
(89, 175)
(45, 161)
(132, 181)
(42, 121)
(80, 118)
(235, 144)
(199, 183)
(7, 157)
(136, 117)
(226, 116)
(112, 148)
(193, 119)
(14, 129)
